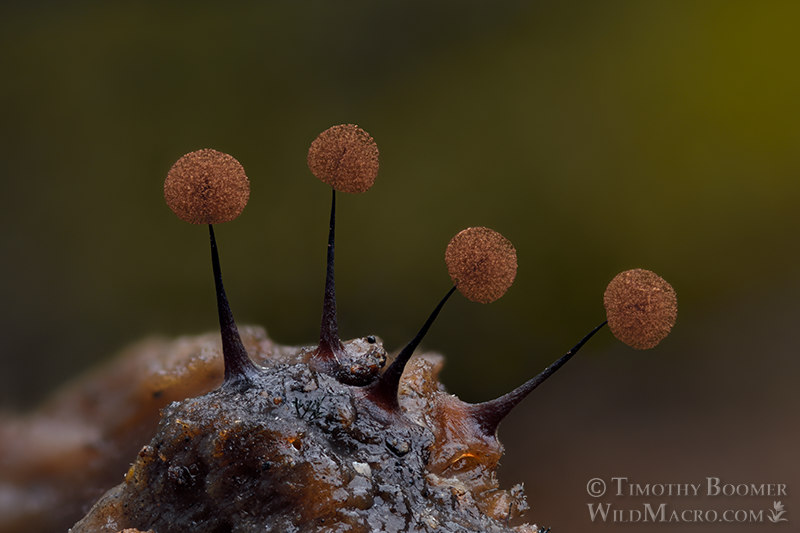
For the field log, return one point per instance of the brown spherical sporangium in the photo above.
(207, 187)
(482, 263)
(345, 157)
(641, 308)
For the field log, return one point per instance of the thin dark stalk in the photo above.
(329, 331)
(490, 414)
(238, 365)
(385, 389)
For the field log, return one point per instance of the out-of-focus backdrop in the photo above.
(597, 136)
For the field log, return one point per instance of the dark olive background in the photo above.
(597, 136)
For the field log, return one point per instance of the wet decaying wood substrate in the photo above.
(297, 450)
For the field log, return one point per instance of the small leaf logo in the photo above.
(776, 513)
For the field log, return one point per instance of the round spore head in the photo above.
(206, 187)
(641, 308)
(345, 157)
(482, 263)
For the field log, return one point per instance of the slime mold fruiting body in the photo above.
(323, 438)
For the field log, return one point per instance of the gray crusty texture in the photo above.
(298, 451)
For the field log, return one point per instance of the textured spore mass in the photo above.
(207, 187)
(641, 308)
(345, 157)
(482, 263)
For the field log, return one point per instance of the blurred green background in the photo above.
(597, 136)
